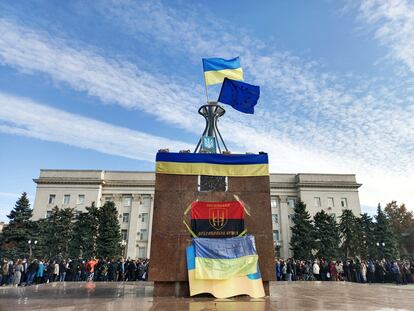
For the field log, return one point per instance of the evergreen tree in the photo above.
(368, 248)
(348, 231)
(108, 241)
(384, 236)
(327, 235)
(302, 240)
(15, 236)
(85, 230)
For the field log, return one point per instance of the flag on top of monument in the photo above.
(240, 95)
(216, 69)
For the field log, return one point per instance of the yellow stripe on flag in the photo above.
(217, 76)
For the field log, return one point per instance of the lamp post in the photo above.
(30, 247)
(123, 243)
(382, 245)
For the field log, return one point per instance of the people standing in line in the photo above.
(18, 270)
(316, 270)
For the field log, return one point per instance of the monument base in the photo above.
(181, 289)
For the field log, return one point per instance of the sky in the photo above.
(105, 84)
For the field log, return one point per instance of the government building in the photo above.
(133, 194)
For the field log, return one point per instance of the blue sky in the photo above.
(104, 84)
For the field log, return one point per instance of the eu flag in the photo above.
(240, 95)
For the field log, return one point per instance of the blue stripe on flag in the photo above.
(255, 276)
(190, 257)
(226, 248)
(214, 64)
(212, 158)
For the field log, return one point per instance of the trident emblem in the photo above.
(218, 217)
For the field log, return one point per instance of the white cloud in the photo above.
(21, 116)
(309, 121)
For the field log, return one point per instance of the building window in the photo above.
(291, 202)
(146, 201)
(276, 235)
(273, 202)
(344, 203)
(66, 199)
(48, 214)
(108, 199)
(81, 199)
(144, 217)
(317, 202)
(52, 198)
(125, 217)
(124, 235)
(142, 252)
(143, 235)
(330, 202)
(275, 218)
(127, 201)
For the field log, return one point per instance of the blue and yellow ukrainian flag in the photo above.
(250, 284)
(212, 164)
(216, 69)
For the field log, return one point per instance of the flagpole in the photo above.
(205, 86)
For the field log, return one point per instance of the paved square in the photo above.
(138, 296)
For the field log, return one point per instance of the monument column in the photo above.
(284, 226)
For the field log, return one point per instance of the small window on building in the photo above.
(212, 183)
(52, 198)
(143, 235)
(48, 214)
(291, 202)
(144, 217)
(125, 217)
(275, 218)
(142, 252)
(330, 202)
(66, 199)
(273, 202)
(108, 199)
(124, 235)
(276, 235)
(146, 201)
(344, 203)
(317, 202)
(127, 201)
(81, 199)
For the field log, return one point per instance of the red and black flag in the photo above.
(217, 219)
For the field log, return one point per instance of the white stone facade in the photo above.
(133, 193)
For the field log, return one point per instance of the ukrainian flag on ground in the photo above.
(212, 164)
(251, 284)
(216, 69)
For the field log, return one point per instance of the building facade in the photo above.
(133, 195)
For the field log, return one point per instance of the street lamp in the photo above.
(382, 245)
(30, 247)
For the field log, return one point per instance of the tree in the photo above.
(302, 240)
(367, 246)
(16, 235)
(384, 236)
(58, 232)
(348, 231)
(402, 222)
(327, 235)
(85, 230)
(108, 241)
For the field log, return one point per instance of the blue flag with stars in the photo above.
(240, 95)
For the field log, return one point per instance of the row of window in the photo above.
(142, 216)
(66, 199)
(343, 202)
(291, 201)
(127, 200)
(142, 235)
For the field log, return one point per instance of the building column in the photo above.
(284, 226)
(132, 226)
(151, 212)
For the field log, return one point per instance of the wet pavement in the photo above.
(138, 296)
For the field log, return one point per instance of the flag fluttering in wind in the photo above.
(216, 69)
(240, 95)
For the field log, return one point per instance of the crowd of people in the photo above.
(353, 270)
(22, 272)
